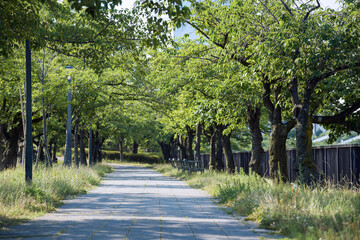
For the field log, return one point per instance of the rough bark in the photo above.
(278, 135)
(277, 151)
(306, 165)
(229, 159)
(197, 154)
(304, 156)
(256, 139)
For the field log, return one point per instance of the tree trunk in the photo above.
(279, 132)
(1, 143)
(99, 148)
(173, 146)
(219, 149)
(91, 147)
(82, 148)
(190, 140)
(100, 155)
(197, 154)
(229, 159)
(212, 139)
(135, 147)
(46, 160)
(96, 147)
(20, 153)
(182, 146)
(54, 158)
(76, 140)
(277, 151)
(121, 148)
(256, 139)
(11, 149)
(41, 150)
(165, 149)
(304, 156)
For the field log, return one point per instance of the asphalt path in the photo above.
(138, 203)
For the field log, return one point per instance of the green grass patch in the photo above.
(295, 210)
(19, 201)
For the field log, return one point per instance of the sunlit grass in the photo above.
(128, 163)
(19, 201)
(298, 211)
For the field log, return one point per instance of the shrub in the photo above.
(130, 157)
(111, 155)
(143, 158)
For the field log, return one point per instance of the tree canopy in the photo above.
(258, 69)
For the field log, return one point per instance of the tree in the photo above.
(315, 50)
(237, 30)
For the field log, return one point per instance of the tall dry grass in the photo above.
(323, 211)
(19, 201)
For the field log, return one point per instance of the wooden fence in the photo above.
(340, 163)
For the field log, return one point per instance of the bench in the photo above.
(186, 165)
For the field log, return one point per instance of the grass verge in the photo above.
(20, 202)
(295, 210)
(139, 164)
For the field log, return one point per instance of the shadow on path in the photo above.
(137, 203)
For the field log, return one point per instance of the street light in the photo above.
(67, 157)
(28, 127)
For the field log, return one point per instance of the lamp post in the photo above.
(67, 157)
(28, 109)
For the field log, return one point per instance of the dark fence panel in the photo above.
(340, 163)
(320, 159)
(355, 164)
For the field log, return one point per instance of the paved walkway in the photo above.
(137, 203)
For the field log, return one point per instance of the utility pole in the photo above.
(28, 109)
(67, 157)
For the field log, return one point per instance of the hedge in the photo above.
(130, 157)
